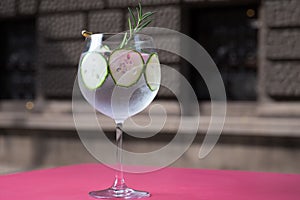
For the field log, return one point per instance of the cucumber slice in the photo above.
(93, 69)
(126, 67)
(152, 72)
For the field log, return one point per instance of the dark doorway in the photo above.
(17, 55)
(229, 34)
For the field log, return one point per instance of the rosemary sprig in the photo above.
(136, 23)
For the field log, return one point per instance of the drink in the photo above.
(119, 81)
(119, 76)
(119, 103)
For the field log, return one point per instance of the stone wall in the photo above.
(281, 49)
(52, 149)
(59, 43)
(59, 24)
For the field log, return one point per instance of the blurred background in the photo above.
(255, 44)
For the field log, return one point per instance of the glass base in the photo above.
(125, 193)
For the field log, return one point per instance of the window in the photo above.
(17, 55)
(229, 34)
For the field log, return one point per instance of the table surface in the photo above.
(74, 182)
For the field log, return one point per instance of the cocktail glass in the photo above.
(119, 82)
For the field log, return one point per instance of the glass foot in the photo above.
(125, 193)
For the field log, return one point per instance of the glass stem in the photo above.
(119, 178)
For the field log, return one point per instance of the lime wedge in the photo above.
(126, 67)
(93, 69)
(152, 72)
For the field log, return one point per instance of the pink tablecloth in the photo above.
(74, 182)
